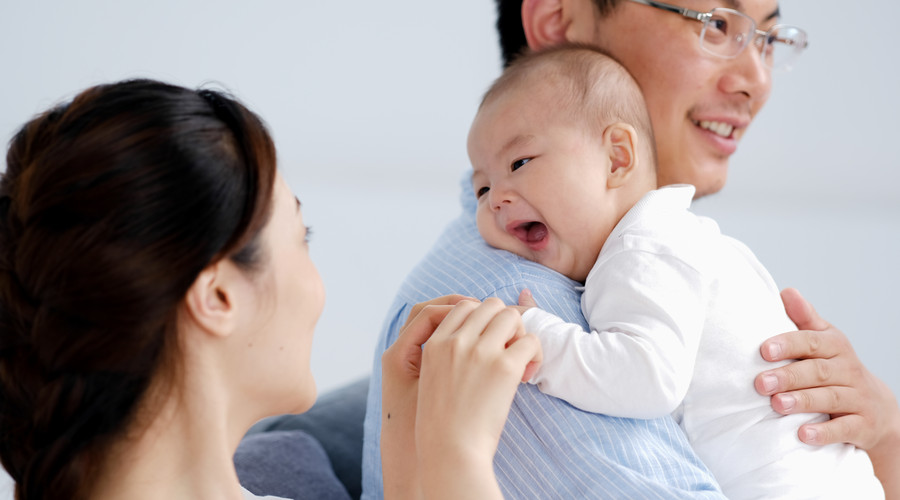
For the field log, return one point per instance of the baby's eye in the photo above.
(516, 165)
(481, 191)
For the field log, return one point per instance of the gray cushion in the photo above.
(287, 464)
(336, 422)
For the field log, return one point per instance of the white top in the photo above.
(678, 312)
(251, 496)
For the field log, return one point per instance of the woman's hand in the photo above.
(400, 365)
(830, 378)
(470, 370)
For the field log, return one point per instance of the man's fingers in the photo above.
(805, 344)
(801, 312)
(833, 400)
(803, 374)
(837, 430)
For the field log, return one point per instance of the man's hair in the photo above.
(596, 90)
(511, 33)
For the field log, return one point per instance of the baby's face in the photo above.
(541, 179)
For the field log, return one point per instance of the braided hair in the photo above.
(110, 207)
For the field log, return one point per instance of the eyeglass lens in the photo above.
(727, 32)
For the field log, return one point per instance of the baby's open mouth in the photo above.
(531, 232)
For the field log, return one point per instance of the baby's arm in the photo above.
(646, 313)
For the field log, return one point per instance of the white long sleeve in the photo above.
(646, 311)
(677, 312)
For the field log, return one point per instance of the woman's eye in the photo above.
(481, 191)
(516, 165)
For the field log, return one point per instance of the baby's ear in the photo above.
(621, 140)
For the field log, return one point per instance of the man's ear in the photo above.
(210, 300)
(544, 23)
(548, 23)
(621, 140)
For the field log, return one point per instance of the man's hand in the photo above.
(829, 378)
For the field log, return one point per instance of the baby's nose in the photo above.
(500, 196)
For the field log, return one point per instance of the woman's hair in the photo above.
(110, 207)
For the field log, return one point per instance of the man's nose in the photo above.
(748, 74)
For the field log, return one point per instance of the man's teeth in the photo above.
(718, 128)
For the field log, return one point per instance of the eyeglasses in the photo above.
(727, 32)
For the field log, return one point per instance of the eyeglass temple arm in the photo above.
(692, 14)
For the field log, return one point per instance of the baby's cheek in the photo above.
(488, 229)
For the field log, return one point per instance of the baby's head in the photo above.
(561, 148)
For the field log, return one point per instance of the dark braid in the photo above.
(109, 208)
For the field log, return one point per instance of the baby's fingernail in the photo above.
(810, 435)
(770, 382)
(774, 351)
(787, 402)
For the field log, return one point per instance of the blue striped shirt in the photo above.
(549, 449)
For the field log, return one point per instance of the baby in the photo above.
(564, 172)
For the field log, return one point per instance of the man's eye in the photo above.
(719, 24)
(481, 191)
(516, 165)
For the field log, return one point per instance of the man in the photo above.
(701, 101)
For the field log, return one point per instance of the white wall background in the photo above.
(370, 104)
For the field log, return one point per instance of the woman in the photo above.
(157, 297)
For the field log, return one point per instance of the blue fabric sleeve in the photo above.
(548, 449)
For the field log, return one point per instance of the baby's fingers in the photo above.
(526, 356)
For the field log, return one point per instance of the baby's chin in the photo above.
(567, 269)
(553, 263)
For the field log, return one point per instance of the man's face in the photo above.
(700, 104)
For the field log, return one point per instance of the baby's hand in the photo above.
(526, 301)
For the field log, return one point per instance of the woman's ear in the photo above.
(210, 301)
(621, 141)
